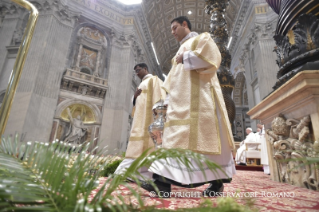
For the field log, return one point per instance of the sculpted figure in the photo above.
(76, 131)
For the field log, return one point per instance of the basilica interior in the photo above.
(79, 68)
(88, 50)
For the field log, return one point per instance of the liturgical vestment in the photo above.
(196, 115)
(140, 139)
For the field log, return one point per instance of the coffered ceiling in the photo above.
(159, 14)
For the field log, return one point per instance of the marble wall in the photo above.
(252, 53)
(55, 46)
(40, 95)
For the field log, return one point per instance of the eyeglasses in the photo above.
(138, 70)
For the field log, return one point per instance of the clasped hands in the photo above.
(179, 57)
(137, 92)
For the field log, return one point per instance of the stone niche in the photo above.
(78, 116)
(87, 125)
(291, 119)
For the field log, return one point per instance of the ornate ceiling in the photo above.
(159, 14)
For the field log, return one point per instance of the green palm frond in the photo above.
(59, 177)
(43, 178)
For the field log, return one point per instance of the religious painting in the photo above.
(88, 58)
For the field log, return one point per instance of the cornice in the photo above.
(238, 24)
(239, 33)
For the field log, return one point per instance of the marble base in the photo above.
(296, 99)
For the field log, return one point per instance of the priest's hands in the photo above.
(179, 58)
(137, 93)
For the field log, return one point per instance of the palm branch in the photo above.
(58, 177)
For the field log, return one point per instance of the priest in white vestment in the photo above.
(241, 152)
(196, 119)
(148, 95)
(264, 153)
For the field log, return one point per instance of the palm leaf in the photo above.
(43, 178)
(57, 177)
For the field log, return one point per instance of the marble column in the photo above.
(268, 67)
(77, 66)
(118, 97)
(37, 94)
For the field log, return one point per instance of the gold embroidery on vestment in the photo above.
(230, 138)
(195, 42)
(216, 119)
(203, 58)
(141, 138)
(148, 115)
(177, 123)
(194, 108)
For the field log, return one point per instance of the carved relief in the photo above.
(239, 87)
(279, 126)
(3, 12)
(84, 84)
(293, 152)
(10, 8)
(18, 32)
(63, 12)
(239, 127)
(92, 34)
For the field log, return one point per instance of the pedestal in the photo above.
(291, 136)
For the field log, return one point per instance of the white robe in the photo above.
(241, 152)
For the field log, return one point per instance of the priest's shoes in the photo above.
(164, 189)
(214, 189)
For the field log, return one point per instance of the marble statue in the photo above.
(77, 130)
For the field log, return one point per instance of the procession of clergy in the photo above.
(196, 117)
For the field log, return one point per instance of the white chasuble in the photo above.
(195, 97)
(140, 139)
